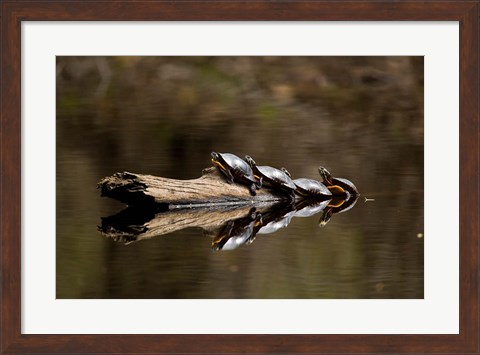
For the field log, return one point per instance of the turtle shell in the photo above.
(347, 185)
(275, 177)
(238, 167)
(311, 188)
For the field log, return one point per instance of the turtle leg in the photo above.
(228, 174)
(260, 182)
(253, 189)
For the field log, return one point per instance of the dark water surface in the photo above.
(361, 117)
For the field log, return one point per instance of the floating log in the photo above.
(209, 190)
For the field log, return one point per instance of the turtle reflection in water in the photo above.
(338, 186)
(235, 169)
(238, 232)
(276, 219)
(337, 205)
(244, 230)
(308, 208)
(273, 178)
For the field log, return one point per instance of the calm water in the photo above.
(360, 117)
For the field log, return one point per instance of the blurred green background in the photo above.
(361, 117)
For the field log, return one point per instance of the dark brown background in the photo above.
(360, 116)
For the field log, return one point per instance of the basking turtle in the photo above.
(271, 177)
(309, 187)
(338, 186)
(235, 169)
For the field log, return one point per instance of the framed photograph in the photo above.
(231, 177)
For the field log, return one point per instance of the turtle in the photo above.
(235, 169)
(309, 187)
(271, 177)
(338, 186)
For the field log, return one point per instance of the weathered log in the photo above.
(209, 190)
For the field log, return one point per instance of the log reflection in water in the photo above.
(229, 227)
(134, 224)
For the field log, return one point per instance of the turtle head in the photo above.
(286, 172)
(217, 160)
(325, 174)
(250, 160)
